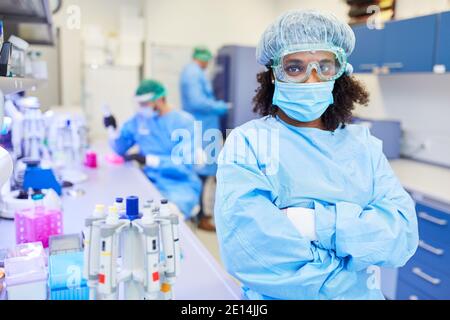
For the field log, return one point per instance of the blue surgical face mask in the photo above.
(147, 112)
(304, 102)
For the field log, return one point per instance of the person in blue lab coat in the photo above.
(167, 162)
(198, 99)
(307, 206)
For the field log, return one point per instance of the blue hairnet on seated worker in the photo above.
(304, 27)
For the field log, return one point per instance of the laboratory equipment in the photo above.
(36, 67)
(38, 223)
(235, 82)
(65, 278)
(31, 156)
(67, 135)
(5, 59)
(91, 160)
(16, 200)
(2, 37)
(32, 133)
(68, 139)
(136, 239)
(11, 110)
(37, 178)
(18, 54)
(114, 159)
(5, 134)
(6, 166)
(388, 131)
(65, 244)
(3, 255)
(30, 249)
(26, 273)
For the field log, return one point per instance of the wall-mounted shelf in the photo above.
(14, 85)
(31, 20)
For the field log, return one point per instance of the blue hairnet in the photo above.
(298, 27)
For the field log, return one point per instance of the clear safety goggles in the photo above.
(295, 65)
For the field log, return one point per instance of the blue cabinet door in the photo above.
(443, 41)
(409, 45)
(405, 291)
(368, 50)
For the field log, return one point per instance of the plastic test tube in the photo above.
(92, 249)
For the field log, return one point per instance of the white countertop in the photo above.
(430, 180)
(201, 278)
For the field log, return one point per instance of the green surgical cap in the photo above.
(202, 54)
(150, 90)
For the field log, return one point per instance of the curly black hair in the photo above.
(347, 91)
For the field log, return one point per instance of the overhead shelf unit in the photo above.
(31, 20)
(13, 85)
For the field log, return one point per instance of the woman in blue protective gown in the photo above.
(307, 205)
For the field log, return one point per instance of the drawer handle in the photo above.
(430, 218)
(418, 272)
(367, 66)
(394, 65)
(430, 248)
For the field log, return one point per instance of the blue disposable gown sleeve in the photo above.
(174, 167)
(179, 162)
(384, 233)
(197, 99)
(125, 140)
(259, 245)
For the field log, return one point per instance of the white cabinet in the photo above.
(111, 85)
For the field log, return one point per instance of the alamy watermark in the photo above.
(245, 147)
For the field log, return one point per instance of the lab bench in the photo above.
(201, 278)
(426, 276)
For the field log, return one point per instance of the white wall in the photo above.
(187, 23)
(420, 101)
(48, 94)
(408, 9)
(404, 8)
(213, 23)
(101, 12)
(216, 23)
(337, 7)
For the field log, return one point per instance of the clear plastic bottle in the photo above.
(2, 38)
(38, 200)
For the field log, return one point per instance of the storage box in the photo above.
(66, 280)
(37, 225)
(26, 273)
